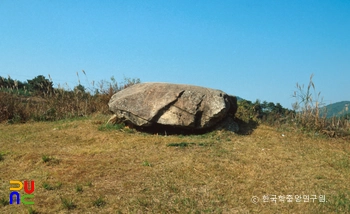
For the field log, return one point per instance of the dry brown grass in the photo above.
(309, 106)
(49, 104)
(60, 105)
(218, 172)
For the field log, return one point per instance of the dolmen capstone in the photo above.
(178, 106)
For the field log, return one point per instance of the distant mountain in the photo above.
(337, 109)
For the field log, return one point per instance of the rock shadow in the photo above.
(171, 130)
(246, 128)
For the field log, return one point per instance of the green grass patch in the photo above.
(111, 127)
(146, 163)
(68, 204)
(181, 145)
(79, 188)
(99, 202)
(32, 211)
(205, 144)
(4, 201)
(49, 160)
(185, 144)
(48, 186)
(342, 202)
(339, 203)
(89, 184)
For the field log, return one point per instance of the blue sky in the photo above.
(253, 49)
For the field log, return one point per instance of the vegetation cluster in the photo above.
(309, 113)
(38, 100)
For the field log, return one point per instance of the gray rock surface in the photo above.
(176, 105)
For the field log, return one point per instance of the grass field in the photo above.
(83, 166)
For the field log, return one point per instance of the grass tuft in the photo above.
(146, 163)
(45, 158)
(99, 202)
(48, 186)
(49, 160)
(79, 188)
(68, 204)
(4, 201)
(32, 211)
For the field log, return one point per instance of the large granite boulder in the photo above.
(177, 105)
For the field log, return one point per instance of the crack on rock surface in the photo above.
(166, 108)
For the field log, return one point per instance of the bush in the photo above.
(46, 103)
(269, 113)
(41, 86)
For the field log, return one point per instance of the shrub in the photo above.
(45, 103)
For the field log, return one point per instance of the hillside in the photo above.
(84, 166)
(337, 109)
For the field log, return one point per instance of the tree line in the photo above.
(38, 85)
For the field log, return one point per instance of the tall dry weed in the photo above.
(308, 108)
